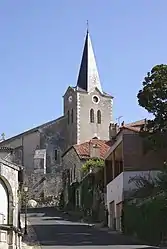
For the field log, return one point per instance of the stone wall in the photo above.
(48, 183)
(135, 158)
(80, 129)
(73, 164)
(50, 137)
(88, 130)
(72, 161)
(9, 175)
(40, 184)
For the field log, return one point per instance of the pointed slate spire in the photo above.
(88, 77)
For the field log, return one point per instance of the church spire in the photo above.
(88, 78)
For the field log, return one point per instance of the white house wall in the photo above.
(116, 188)
(130, 174)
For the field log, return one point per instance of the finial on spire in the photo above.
(88, 78)
(87, 24)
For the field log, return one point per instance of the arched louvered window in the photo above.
(99, 117)
(72, 116)
(92, 116)
(68, 117)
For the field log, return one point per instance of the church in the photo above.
(87, 114)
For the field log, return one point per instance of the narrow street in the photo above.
(56, 230)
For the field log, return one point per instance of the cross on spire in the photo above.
(87, 24)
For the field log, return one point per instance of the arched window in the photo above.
(72, 116)
(68, 117)
(92, 116)
(99, 117)
(4, 210)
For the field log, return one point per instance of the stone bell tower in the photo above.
(87, 107)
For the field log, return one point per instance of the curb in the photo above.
(33, 236)
(30, 241)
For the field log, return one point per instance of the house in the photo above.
(125, 159)
(87, 111)
(10, 185)
(73, 160)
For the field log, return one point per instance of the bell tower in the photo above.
(88, 109)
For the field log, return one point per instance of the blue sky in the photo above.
(41, 45)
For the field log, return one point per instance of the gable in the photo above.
(18, 138)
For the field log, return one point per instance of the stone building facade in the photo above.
(87, 114)
(10, 185)
(73, 160)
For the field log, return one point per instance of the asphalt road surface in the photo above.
(57, 230)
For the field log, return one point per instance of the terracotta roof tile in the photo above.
(136, 123)
(135, 126)
(83, 149)
(131, 128)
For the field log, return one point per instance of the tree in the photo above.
(153, 97)
(148, 186)
(146, 216)
(145, 186)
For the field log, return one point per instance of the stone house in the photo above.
(87, 111)
(125, 159)
(10, 185)
(73, 160)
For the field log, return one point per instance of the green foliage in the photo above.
(146, 215)
(92, 202)
(92, 164)
(145, 186)
(148, 221)
(153, 97)
(161, 180)
(87, 187)
(23, 197)
(153, 140)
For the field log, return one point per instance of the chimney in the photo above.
(113, 130)
(122, 124)
(94, 150)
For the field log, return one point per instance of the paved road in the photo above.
(56, 230)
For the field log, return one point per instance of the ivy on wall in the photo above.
(92, 164)
(87, 187)
(92, 187)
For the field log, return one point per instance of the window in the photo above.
(72, 116)
(92, 118)
(70, 175)
(99, 117)
(74, 172)
(95, 99)
(56, 155)
(68, 117)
